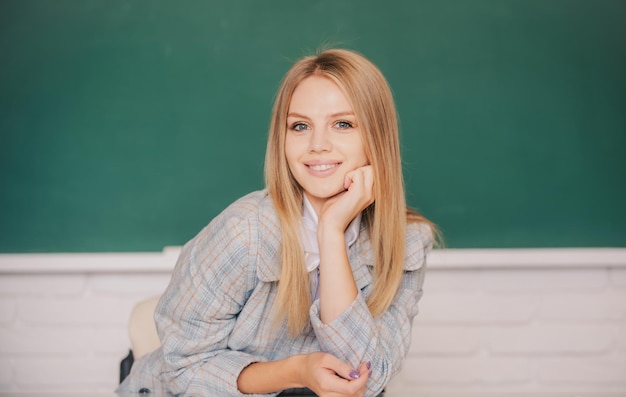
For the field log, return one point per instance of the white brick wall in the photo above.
(492, 320)
(68, 331)
(520, 329)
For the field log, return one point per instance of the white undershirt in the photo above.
(308, 234)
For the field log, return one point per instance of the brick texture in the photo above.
(480, 329)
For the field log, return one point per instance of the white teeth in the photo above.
(322, 167)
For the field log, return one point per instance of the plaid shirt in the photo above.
(215, 317)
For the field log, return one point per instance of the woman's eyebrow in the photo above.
(334, 115)
(342, 114)
(298, 115)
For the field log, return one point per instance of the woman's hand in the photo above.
(328, 376)
(339, 210)
(323, 373)
(337, 287)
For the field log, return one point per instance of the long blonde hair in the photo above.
(372, 101)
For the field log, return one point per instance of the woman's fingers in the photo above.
(364, 174)
(365, 368)
(335, 377)
(340, 367)
(342, 208)
(360, 182)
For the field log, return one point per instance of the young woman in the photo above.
(314, 281)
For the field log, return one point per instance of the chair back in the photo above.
(142, 330)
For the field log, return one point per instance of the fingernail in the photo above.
(368, 364)
(354, 375)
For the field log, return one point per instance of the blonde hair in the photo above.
(372, 102)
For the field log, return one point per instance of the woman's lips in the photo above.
(322, 169)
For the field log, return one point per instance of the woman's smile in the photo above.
(322, 167)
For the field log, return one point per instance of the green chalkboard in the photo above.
(128, 125)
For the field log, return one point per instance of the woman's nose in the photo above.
(319, 142)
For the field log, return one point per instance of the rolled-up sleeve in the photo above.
(356, 336)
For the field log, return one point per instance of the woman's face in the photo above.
(323, 139)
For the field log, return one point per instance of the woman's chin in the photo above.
(325, 194)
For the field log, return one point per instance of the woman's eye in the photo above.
(299, 127)
(343, 125)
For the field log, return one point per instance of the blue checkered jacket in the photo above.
(215, 317)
